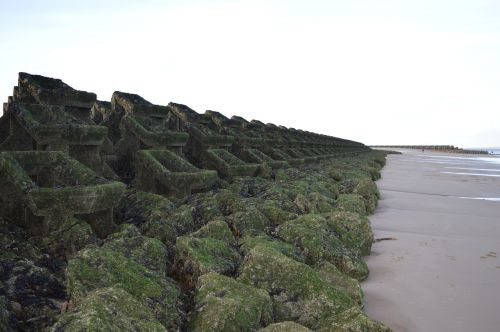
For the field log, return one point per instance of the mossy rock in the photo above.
(353, 320)
(320, 203)
(249, 242)
(94, 268)
(351, 203)
(350, 286)
(274, 211)
(374, 172)
(368, 190)
(229, 202)
(249, 186)
(157, 217)
(297, 290)
(319, 241)
(197, 256)
(285, 327)
(353, 229)
(216, 229)
(224, 304)
(146, 251)
(335, 174)
(205, 208)
(109, 309)
(249, 221)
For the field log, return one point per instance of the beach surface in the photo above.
(442, 270)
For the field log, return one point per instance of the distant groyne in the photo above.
(441, 148)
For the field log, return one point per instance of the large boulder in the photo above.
(157, 217)
(351, 203)
(321, 242)
(100, 267)
(149, 252)
(350, 286)
(353, 320)
(210, 249)
(109, 309)
(225, 304)
(368, 190)
(353, 229)
(249, 242)
(248, 221)
(297, 290)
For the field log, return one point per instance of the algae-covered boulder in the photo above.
(146, 251)
(276, 212)
(225, 304)
(73, 236)
(368, 190)
(335, 174)
(313, 202)
(351, 203)
(205, 208)
(319, 241)
(109, 309)
(249, 186)
(285, 327)
(216, 229)
(196, 256)
(249, 242)
(374, 172)
(249, 221)
(350, 286)
(157, 217)
(353, 229)
(353, 320)
(229, 202)
(297, 290)
(94, 268)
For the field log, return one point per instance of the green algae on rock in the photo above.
(157, 217)
(287, 326)
(146, 251)
(297, 290)
(368, 190)
(353, 320)
(249, 242)
(109, 309)
(196, 256)
(95, 268)
(354, 230)
(321, 242)
(346, 284)
(351, 203)
(249, 221)
(225, 304)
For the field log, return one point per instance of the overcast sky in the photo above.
(380, 71)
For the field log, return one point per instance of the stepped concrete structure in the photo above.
(122, 214)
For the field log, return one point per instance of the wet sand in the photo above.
(442, 273)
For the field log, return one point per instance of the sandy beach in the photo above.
(442, 271)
